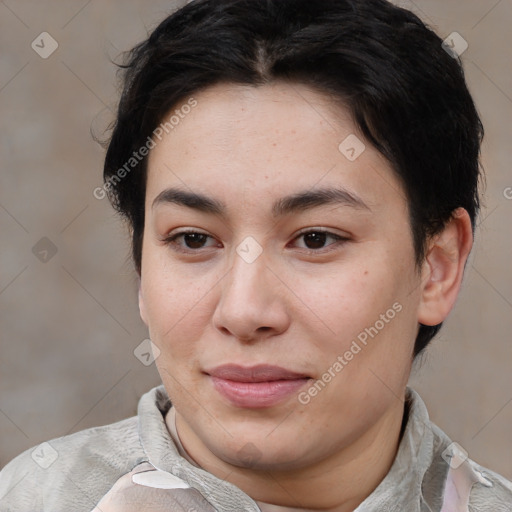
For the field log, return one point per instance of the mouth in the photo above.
(256, 386)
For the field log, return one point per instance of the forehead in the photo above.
(263, 141)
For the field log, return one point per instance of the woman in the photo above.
(301, 182)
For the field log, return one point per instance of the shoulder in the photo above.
(72, 471)
(484, 490)
(496, 496)
(452, 480)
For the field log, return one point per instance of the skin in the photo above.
(292, 307)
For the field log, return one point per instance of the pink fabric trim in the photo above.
(459, 481)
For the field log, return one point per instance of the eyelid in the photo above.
(169, 239)
(327, 231)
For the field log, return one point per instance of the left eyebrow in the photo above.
(294, 203)
(309, 199)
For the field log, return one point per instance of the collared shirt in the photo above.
(137, 463)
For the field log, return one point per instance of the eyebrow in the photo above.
(294, 203)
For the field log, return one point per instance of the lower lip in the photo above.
(257, 394)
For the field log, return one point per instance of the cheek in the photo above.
(174, 304)
(367, 350)
(346, 300)
(368, 304)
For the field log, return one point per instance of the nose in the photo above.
(252, 305)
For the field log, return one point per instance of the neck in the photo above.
(338, 483)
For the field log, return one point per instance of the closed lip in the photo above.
(257, 373)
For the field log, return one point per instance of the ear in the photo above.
(142, 306)
(443, 268)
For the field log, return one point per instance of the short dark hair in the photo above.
(406, 93)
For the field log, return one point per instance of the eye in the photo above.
(191, 241)
(315, 240)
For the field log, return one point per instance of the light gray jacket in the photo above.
(134, 465)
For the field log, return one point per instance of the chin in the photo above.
(260, 454)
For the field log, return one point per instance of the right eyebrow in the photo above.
(191, 200)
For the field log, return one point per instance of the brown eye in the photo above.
(316, 240)
(189, 241)
(194, 240)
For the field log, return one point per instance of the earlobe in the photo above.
(443, 268)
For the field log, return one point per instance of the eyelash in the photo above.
(171, 241)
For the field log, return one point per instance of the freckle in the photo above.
(365, 272)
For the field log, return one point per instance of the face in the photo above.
(310, 293)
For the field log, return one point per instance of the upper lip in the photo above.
(258, 373)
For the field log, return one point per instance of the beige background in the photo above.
(69, 326)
